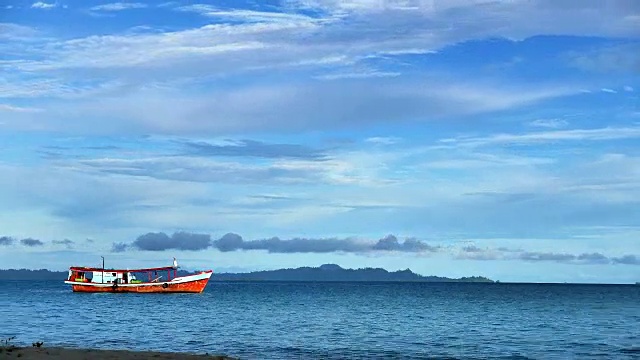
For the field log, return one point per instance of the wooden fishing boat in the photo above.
(97, 280)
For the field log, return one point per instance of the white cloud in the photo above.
(608, 59)
(165, 68)
(204, 170)
(628, 88)
(119, 6)
(369, 6)
(357, 75)
(194, 81)
(599, 134)
(510, 191)
(285, 36)
(55, 88)
(244, 15)
(188, 50)
(607, 90)
(10, 31)
(43, 5)
(294, 107)
(11, 108)
(100, 200)
(406, 52)
(484, 161)
(383, 140)
(549, 123)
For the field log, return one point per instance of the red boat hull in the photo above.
(185, 285)
(189, 287)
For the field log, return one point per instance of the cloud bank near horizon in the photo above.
(234, 242)
(29, 242)
(182, 241)
(230, 242)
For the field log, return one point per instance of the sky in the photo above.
(453, 138)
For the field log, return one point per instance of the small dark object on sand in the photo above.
(37, 344)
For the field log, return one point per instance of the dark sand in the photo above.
(33, 353)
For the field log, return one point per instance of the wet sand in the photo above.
(33, 353)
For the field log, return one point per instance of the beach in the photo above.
(34, 353)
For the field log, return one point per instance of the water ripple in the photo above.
(337, 320)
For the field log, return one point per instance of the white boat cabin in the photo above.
(120, 276)
(109, 277)
(112, 277)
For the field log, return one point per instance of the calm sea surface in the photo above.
(337, 320)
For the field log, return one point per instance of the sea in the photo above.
(336, 320)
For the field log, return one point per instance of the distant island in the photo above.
(326, 272)
(332, 272)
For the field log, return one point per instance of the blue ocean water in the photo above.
(279, 320)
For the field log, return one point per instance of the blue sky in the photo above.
(455, 138)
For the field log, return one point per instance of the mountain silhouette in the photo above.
(326, 272)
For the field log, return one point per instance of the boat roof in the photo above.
(84, 268)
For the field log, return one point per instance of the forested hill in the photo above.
(331, 272)
(327, 272)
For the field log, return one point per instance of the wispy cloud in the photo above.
(357, 75)
(31, 242)
(383, 140)
(147, 66)
(119, 247)
(43, 5)
(315, 106)
(45, 88)
(627, 260)
(66, 242)
(118, 6)
(607, 90)
(473, 252)
(549, 123)
(486, 160)
(244, 15)
(252, 148)
(585, 258)
(198, 170)
(599, 134)
(488, 254)
(11, 31)
(11, 108)
(6, 240)
(608, 59)
(283, 36)
(538, 256)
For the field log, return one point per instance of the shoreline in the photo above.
(62, 353)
